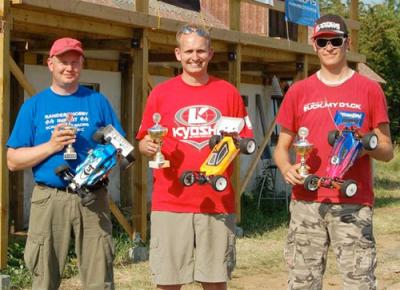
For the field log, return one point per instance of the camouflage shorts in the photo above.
(313, 227)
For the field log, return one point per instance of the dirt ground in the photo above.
(260, 264)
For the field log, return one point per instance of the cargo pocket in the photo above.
(33, 254)
(231, 254)
(109, 249)
(40, 196)
(365, 258)
(155, 263)
(289, 251)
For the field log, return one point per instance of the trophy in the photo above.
(157, 132)
(69, 153)
(303, 148)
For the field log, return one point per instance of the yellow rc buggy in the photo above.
(225, 146)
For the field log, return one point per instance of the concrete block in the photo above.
(5, 282)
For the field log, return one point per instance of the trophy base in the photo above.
(70, 156)
(158, 164)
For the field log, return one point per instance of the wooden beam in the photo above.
(19, 75)
(234, 15)
(234, 78)
(257, 156)
(142, 6)
(76, 23)
(140, 71)
(121, 218)
(267, 54)
(127, 176)
(354, 15)
(4, 130)
(16, 180)
(301, 67)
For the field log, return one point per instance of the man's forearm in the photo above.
(384, 152)
(28, 157)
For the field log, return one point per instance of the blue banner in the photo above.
(303, 12)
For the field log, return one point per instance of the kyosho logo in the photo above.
(197, 115)
(197, 122)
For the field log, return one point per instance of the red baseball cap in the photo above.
(65, 44)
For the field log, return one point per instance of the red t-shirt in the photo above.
(312, 104)
(190, 114)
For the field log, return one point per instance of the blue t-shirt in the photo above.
(40, 114)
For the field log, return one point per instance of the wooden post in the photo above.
(301, 67)
(140, 71)
(4, 129)
(127, 120)
(142, 6)
(354, 32)
(16, 179)
(302, 34)
(234, 15)
(234, 78)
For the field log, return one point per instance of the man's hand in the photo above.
(147, 146)
(61, 137)
(291, 175)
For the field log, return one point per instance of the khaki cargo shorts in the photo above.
(187, 247)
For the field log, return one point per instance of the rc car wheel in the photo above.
(127, 161)
(311, 183)
(188, 178)
(98, 136)
(370, 141)
(332, 135)
(349, 188)
(219, 183)
(59, 171)
(214, 140)
(247, 145)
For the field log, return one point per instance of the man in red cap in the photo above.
(326, 217)
(37, 141)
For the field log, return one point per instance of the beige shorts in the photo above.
(187, 247)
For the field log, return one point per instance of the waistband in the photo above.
(94, 187)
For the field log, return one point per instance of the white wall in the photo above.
(110, 86)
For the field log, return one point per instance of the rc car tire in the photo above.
(311, 183)
(370, 141)
(332, 135)
(188, 178)
(98, 136)
(127, 161)
(219, 183)
(349, 188)
(247, 146)
(214, 140)
(61, 169)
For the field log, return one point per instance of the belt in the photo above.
(97, 186)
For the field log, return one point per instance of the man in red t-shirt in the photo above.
(192, 228)
(324, 217)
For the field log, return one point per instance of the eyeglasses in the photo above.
(186, 29)
(335, 42)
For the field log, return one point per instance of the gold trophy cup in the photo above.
(70, 153)
(157, 132)
(303, 148)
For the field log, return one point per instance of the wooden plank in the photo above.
(142, 6)
(121, 218)
(267, 54)
(75, 23)
(4, 130)
(127, 176)
(140, 71)
(302, 72)
(19, 75)
(234, 15)
(257, 156)
(234, 78)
